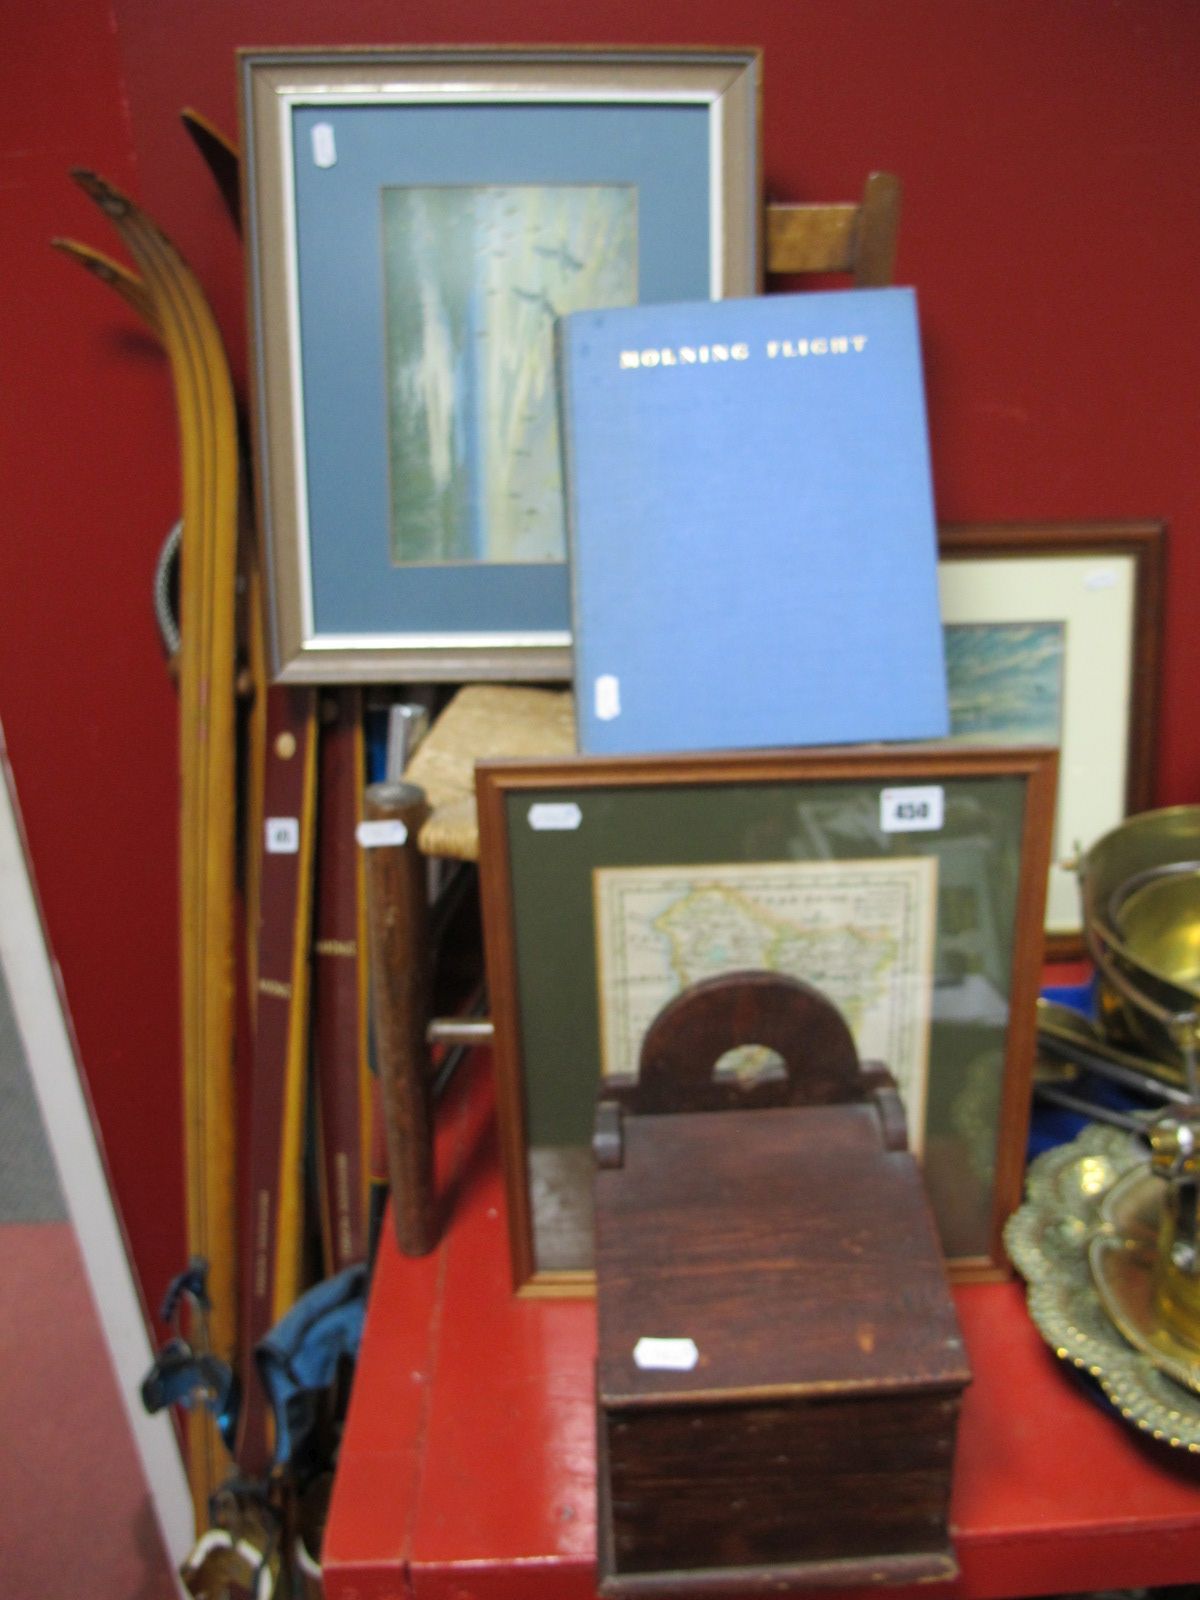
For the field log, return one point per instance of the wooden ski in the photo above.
(280, 822)
(181, 318)
(342, 1075)
(221, 158)
(272, 1254)
(118, 278)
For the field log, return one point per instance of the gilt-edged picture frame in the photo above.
(1051, 635)
(416, 220)
(906, 882)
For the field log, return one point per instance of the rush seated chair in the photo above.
(435, 802)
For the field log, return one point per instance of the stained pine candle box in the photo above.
(779, 1363)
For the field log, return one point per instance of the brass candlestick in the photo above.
(1175, 1158)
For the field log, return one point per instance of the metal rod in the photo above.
(1105, 1066)
(1050, 1094)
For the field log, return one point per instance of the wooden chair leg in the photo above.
(878, 226)
(399, 962)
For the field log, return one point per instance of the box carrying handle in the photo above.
(791, 1027)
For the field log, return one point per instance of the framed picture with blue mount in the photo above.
(416, 220)
(1051, 635)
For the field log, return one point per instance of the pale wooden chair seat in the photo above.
(481, 721)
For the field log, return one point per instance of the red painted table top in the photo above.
(467, 1469)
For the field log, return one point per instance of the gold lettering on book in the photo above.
(703, 355)
(273, 987)
(841, 344)
(336, 947)
(687, 355)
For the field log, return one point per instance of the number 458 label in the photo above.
(912, 810)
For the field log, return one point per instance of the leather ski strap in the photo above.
(342, 1077)
(273, 1252)
(171, 302)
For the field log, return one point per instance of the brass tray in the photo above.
(1086, 1201)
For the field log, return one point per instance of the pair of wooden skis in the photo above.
(167, 296)
(303, 899)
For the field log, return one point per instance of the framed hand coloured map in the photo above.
(905, 882)
(416, 223)
(861, 931)
(1051, 636)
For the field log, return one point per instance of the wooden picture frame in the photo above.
(415, 219)
(1092, 594)
(551, 831)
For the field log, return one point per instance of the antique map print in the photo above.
(860, 931)
(474, 278)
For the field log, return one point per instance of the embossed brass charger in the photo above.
(1106, 1242)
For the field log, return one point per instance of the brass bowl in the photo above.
(1158, 920)
(1140, 885)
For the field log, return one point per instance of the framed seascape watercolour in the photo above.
(905, 882)
(1051, 636)
(416, 221)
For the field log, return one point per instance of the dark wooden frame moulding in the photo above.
(1144, 542)
(870, 765)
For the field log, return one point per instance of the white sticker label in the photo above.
(383, 831)
(912, 810)
(559, 816)
(283, 836)
(608, 697)
(666, 1355)
(1100, 578)
(324, 148)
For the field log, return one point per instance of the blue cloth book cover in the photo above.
(753, 543)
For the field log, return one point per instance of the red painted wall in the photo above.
(1048, 150)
